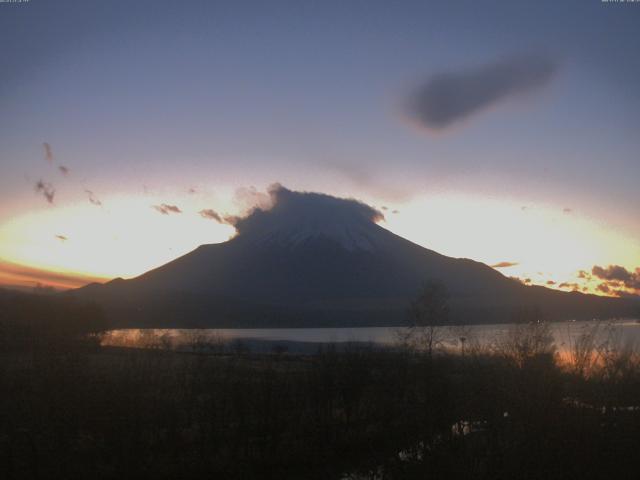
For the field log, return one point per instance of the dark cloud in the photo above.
(604, 288)
(567, 210)
(572, 285)
(289, 208)
(617, 277)
(504, 264)
(48, 152)
(612, 272)
(584, 274)
(64, 170)
(550, 282)
(448, 98)
(211, 215)
(92, 198)
(46, 189)
(165, 209)
(62, 238)
(192, 191)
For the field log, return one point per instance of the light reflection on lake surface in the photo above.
(625, 332)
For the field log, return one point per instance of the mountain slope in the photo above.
(313, 259)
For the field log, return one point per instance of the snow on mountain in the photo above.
(299, 217)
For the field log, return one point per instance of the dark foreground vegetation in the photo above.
(70, 409)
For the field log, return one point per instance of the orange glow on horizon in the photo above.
(70, 245)
(546, 245)
(23, 276)
(125, 238)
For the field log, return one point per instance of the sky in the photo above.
(506, 132)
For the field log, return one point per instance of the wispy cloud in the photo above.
(166, 209)
(92, 198)
(211, 215)
(450, 97)
(62, 238)
(64, 170)
(46, 189)
(366, 178)
(504, 264)
(249, 198)
(48, 152)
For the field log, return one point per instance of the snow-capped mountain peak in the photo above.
(298, 218)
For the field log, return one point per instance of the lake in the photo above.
(620, 333)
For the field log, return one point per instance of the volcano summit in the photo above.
(316, 260)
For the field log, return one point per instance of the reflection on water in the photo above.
(567, 337)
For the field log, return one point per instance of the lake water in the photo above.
(621, 333)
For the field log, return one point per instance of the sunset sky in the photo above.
(506, 132)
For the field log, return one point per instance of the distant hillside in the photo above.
(30, 319)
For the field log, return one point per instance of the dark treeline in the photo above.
(361, 413)
(71, 409)
(37, 321)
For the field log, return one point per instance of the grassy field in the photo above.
(82, 411)
(71, 409)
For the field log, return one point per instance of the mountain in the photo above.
(317, 260)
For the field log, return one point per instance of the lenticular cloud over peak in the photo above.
(295, 217)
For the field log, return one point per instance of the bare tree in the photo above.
(528, 338)
(427, 312)
(583, 349)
